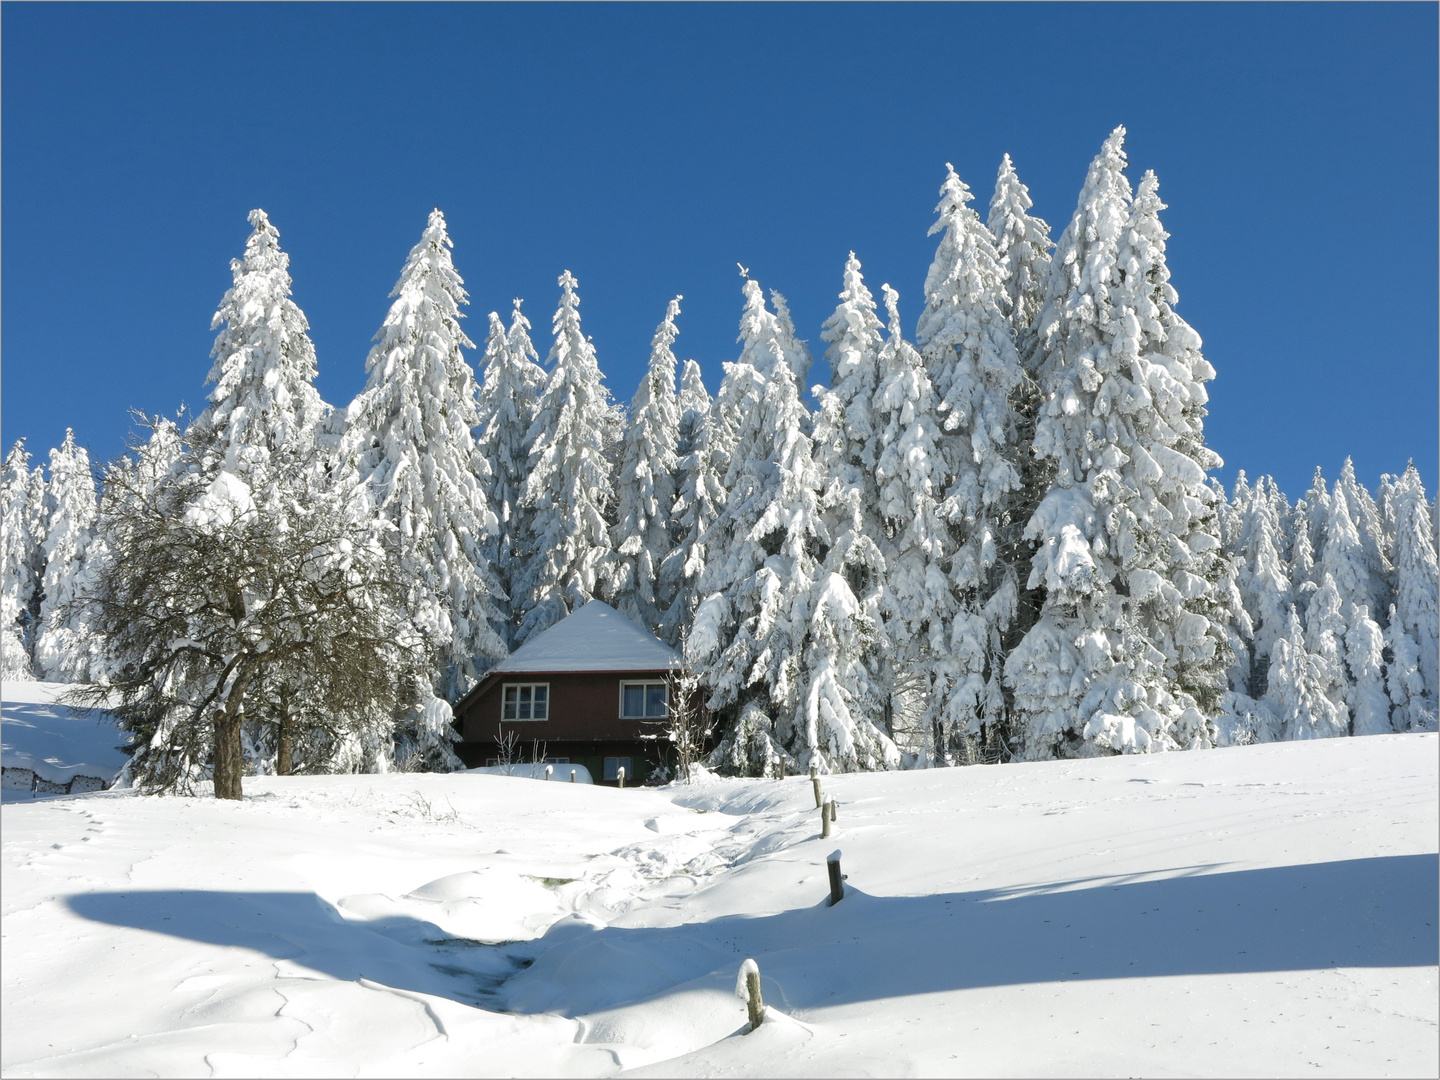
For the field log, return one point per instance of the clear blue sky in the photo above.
(650, 148)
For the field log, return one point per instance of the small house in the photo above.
(592, 690)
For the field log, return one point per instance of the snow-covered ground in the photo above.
(41, 736)
(1267, 910)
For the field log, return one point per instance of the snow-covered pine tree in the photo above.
(264, 411)
(1374, 538)
(845, 453)
(410, 438)
(796, 354)
(694, 404)
(1263, 578)
(777, 637)
(1022, 247)
(966, 340)
(918, 602)
(1312, 511)
(643, 535)
(1343, 555)
(64, 652)
(1364, 656)
(1125, 654)
(699, 499)
(1417, 597)
(1303, 692)
(569, 489)
(1325, 627)
(508, 401)
(22, 522)
(1198, 625)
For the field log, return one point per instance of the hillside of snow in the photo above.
(40, 735)
(1265, 910)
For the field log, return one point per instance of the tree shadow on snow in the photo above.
(1378, 912)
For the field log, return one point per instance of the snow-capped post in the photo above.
(833, 806)
(747, 987)
(620, 775)
(572, 776)
(548, 770)
(837, 879)
(815, 782)
(827, 815)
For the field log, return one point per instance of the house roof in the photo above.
(595, 637)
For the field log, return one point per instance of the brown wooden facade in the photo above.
(583, 724)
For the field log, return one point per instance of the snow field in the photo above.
(1266, 910)
(57, 744)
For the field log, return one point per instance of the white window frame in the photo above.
(645, 683)
(505, 690)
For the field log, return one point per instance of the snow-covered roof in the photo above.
(594, 638)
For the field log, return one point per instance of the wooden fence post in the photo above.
(548, 770)
(620, 775)
(572, 776)
(837, 879)
(827, 815)
(815, 780)
(750, 982)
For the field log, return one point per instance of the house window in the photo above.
(642, 701)
(526, 701)
(613, 765)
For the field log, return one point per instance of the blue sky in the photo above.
(650, 148)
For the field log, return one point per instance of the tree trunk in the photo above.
(229, 754)
(285, 750)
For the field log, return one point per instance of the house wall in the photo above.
(584, 723)
(584, 707)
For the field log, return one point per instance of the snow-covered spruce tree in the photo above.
(918, 603)
(22, 522)
(209, 612)
(569, 490)
(410, 438)
(699, 498)
(1263, 578)
(845, 452)
(1022, 248)
(693, 402)
(1309, 517)
(1303, 693)
(1410, 708)
(64, 650)
(965, 338)
(508, 400)
(1325, 627)
(1126, 655)
(1364, 657)
(1374, 538)
(1416, 585)
(264, 410)
(777, 638)
(643, 534)
(1343, 555)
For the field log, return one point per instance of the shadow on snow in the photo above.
(1377, 912)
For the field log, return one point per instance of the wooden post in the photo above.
(620, 775)
(837, 879)
(815, 780)
(754, 1003)
(827, 815)
(833, 805)
(572, 776)
(548, 770)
